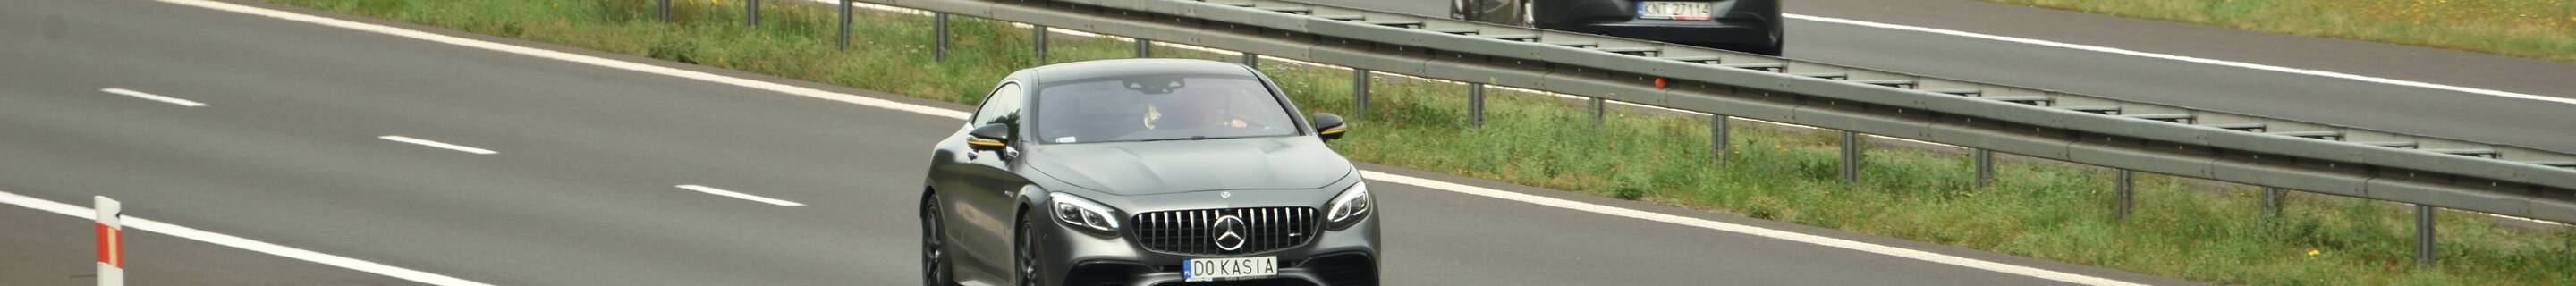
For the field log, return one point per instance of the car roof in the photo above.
(1084, 70)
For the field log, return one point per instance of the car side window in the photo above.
(1003, 106)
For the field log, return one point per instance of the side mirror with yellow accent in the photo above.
(1329, 126)
(990, 137)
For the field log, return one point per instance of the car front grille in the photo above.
(1197, 232)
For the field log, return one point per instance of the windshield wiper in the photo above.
(1193, 138)
(1196, 138)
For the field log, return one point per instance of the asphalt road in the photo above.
(2441, 113)
(582, 189)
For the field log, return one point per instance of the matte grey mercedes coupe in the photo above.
(1145, 172)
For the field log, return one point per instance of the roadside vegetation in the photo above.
(2061, 212)
(2544, 29)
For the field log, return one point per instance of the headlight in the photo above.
(1083, 214)
(1347, 209)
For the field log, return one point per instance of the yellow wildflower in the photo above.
(2312, 253)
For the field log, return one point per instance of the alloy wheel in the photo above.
(1027, 254)
(934, 250)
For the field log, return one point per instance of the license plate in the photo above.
(1666, 10)
(1210, 269)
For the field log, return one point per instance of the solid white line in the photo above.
(722, 192)
(1745, 229)
(954, 114)
(2226, 63)
(239, 242)
(153, 97)
(440, 145)
(571, 57)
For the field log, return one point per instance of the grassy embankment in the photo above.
(2544, 29)
(2049, 211)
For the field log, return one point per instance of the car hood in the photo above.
(1142, 168)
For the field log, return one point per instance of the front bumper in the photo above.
(1343, 257)
(1736, 30)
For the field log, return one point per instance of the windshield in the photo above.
(1146, 108)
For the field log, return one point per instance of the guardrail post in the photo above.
(1985, 166)
(2271, 201)
(1040, 42)
(939, 35)
(1717, 139)
(2424, 234)
(1144, 48)
(111, 240)
(1600, 110)
(1251, 60)
(2127, 193)
(1476, 104)
(1851, 157)
(751, 13)
(1359, 91)
(666, 10)
(845, 25)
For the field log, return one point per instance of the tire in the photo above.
(1024, 251)
(936, 267)
(1779, 38)
(1773, 47)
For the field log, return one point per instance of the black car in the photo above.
(1751, 26)
(1145, 172)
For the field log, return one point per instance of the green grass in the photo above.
(2044, 210)
(2544, 29)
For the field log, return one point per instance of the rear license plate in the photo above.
(1210, 269)
(1667, 10)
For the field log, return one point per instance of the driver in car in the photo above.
(1185, 111)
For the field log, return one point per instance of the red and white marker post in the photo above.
(111, 241)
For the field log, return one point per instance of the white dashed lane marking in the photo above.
(738, 195)
(153, 97)
(439, 145)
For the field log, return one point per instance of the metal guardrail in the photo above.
(2127, 135)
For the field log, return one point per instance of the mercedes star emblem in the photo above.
(1229, 232)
